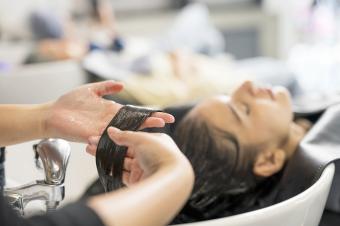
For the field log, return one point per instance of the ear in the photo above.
(269, 162)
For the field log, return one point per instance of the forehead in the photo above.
(214, 102)
(215, 110)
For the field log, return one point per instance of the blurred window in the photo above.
(140, 5)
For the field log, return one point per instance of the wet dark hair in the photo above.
(109, 156)
(225, 184)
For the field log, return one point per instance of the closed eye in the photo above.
(247, 108)
(235, 112)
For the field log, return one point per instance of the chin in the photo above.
(284, 97)
(282, 91)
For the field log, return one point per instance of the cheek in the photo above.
(272, 119)
(279, 111)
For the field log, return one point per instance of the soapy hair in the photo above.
(109, 156)
(225, 184)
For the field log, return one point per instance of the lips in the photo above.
(270, 93)
(265, 91)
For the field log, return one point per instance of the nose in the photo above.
(246, 89)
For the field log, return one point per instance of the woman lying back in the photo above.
(238, 146)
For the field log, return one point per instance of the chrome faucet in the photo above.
(52, 155)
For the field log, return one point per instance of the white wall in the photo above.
(287, 12)
(14, 13)
(38, 83)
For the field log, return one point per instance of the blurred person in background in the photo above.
(83, 29)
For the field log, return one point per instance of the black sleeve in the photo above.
(77, 214)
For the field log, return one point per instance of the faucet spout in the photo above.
(54, 154)
(38, 190)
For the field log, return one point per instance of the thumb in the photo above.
(107, 87)
(124, 138)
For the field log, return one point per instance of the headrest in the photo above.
(319, 148)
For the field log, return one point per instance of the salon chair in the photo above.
(305, 208)
(301, 195)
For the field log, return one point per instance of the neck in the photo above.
(296, 134)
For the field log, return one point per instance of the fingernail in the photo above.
(171, 119)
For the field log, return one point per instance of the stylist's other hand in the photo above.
(132, 169)
(83, 112)
(168, 180)
(147, 153)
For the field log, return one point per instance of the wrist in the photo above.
(43, 112)
(182, 167)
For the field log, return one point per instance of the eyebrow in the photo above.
(237, 116)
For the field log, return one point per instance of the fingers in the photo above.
(132, 176)
(168, 118)
(131, 164)
(136, 175)
(91, 149)
(153, 122)
(93, 141)
(130, 153)
(158, 119)
(126, 178)
(106, 87)
(128, 164)
(124, 138)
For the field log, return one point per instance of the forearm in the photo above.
(152, 202)
(19, 123)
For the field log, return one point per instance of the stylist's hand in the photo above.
(168, 180)
(83, 112)
(147, 152)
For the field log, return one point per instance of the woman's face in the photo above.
(259, 117)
